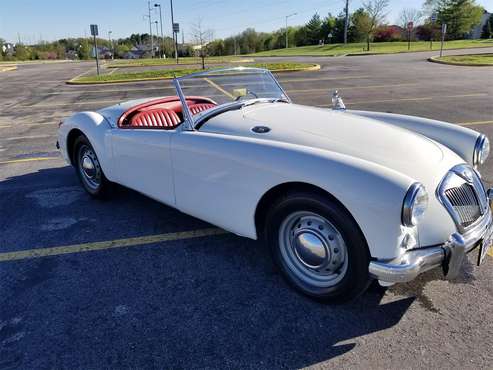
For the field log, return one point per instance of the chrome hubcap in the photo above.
(313, 249)
(89, 167)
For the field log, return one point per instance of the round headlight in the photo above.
(415, 204)
(481, 150)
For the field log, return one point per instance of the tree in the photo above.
(328, 27)
(361, 28)
(409, 15)
(2, 42)
(376, 14)
(201, 37)
(22, 52)
(84, 50)
(461, 16)
(314, 30)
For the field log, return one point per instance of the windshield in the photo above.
(212, 89)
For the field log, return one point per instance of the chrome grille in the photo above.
(462, 193)
(465, 202)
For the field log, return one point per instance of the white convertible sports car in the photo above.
(341, 197)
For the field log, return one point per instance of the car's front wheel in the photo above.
(89, 169)
(318, 247)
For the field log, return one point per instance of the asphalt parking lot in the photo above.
(143, 296)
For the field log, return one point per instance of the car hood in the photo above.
(339, 131)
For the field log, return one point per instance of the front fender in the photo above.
(459, 139)
(221, 179)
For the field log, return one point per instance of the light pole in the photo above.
(150, 28)
(288, 16)
(175, 40)
(111, 45)
(161, 21)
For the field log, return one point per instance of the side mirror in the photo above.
(337, 103)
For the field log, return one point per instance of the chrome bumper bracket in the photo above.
(455, 252)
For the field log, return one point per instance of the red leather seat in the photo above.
(197, 108)
(166, 119)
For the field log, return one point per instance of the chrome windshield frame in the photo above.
(190, 121)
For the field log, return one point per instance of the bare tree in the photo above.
(201, 37)
(409, 15)
(376, 15)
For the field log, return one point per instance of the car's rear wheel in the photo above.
(318, 247)
(89, 169)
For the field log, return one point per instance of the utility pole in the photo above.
(346, 21)
(161, 21)
(111, 45)
(157, 37)
(150, 28)
(234, 39)
(287, 40)
(175, 41)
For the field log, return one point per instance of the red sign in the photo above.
(410, 26)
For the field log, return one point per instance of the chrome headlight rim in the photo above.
(409, 219)
(481, 150)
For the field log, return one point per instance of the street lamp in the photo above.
(288, 16)
(161, 21)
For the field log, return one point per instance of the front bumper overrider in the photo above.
(449, 256)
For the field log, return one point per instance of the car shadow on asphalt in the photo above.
(213, 302)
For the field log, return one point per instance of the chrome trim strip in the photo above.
(187, 115)
(279, 85)
(477, 149)
(409, 200)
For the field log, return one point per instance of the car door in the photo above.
(143, 161)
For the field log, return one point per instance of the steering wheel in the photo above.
(247, 93)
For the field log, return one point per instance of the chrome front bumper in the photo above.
(449, 255)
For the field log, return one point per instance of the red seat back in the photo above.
(197, 108)
(165, 119)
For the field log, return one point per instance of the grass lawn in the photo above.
(178, 72)
(376, 48)
(171, 61)
(471, 59)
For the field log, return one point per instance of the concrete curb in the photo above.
(116, 65)
(7, 68)
(436, 60)
(74, 81)
(362, 53)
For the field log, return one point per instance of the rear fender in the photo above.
(97, 130)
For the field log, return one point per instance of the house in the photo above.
(8, 49)
(138, 51)
(478, 30)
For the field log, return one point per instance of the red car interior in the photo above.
(197, 108)
(156, 118)
(165, 113)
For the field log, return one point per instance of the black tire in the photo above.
(99, 186)
(342, 283)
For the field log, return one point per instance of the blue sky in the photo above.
(33, 20)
